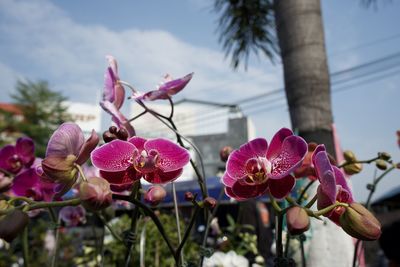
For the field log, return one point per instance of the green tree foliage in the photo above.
(43, 111)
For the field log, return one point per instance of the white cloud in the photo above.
(71, 56)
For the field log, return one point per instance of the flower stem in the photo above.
(25, 246)
(327, 209)
(368, 161)
(79, 168)
(312, 201)
(39, 205)
(300, 198)
(109, 227)
(178, 226)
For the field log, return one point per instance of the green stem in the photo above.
(155, 219)
(25, 199)
(40, 205)
(109, 227)
(55, 256)
(25, 246)
(187, 233)
(312, 201)
(178, 226)
(79, 168)
(134, 218)
(368, 161)
(279, 229)
(138, 116)
(300, 198)
(375, 183)
(275, 204)
(326, 210)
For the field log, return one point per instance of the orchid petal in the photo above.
(175, 86)
(109, 81)
(275, 146)
(249, 191)
(293, 151)
(229, 193)
(321, 163)
(171, 156)
(66, 140)
(138, 142)
(25, 181)
(114, 156)
(119, 95)
(9, 160)
(122, 180)
(25, 149)
(236, 164)
(280, 188)
(327, 190)
(160, 177)
(341, 180)
(227, 180)
(87, 147)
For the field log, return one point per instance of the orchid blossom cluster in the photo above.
(124, 160)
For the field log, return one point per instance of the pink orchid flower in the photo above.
(113, 96)
(66, 147)
(168, 88)
(73, 216)
(256, 167)
(14, 158)
(158, 161)
(333, 186)
(28, 183)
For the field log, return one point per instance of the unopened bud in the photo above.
(12, 224)
(353, 168)
(298, 220)
(60, 169)
(225, 152)
(113, 129)
(381, 164)
(349, 156)
(189, 196)
(155, 195)
(122, 134)
(95, 194)
(384, 156)
(3, 206)
(108, 136)
(360, 223)
(210, 202)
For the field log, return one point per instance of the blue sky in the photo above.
(65, 42)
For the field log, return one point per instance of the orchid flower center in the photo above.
(147, 161)
(257, 170)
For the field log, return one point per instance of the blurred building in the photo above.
(87, 116)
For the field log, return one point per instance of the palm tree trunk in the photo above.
(306, 74)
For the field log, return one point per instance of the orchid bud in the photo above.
(95, 193)
(297, 220)
(189, 196)
(108, 136)
(225, 152)
(12, 224)
(122, 134)
(3, 206)
(381, 164)
(384, 156)
(210, 202)
(360, 223)
(353, 168)
(60, 169)
(5, 183)
(349, 156)
(155, 195)
(113, 129)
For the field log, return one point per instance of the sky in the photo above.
(65, 43)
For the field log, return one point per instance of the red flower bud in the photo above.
(298, 220)
(210, 202)
(95, 193)
(360, 223)
(189, 196)
(12, 224)
(225, 152)
(155, 195)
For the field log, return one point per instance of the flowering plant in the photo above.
(125, 161)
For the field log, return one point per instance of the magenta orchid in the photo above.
(28, 183)
(66, 148)
(168, 88)
(256, 167)
(113, 96)
(73, 216)
(333, 186)
(14, 158)
(158, 161)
